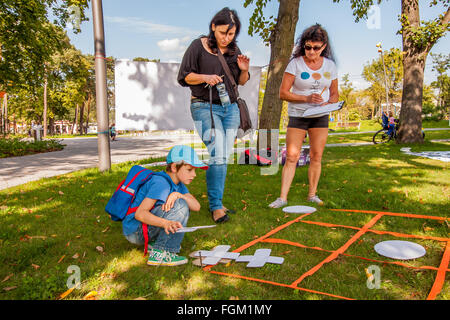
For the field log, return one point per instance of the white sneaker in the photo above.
(278, 203)
(315, 199)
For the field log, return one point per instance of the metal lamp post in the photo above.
(380, 50)
(104, 154)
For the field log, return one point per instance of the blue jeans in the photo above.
(220, 144)
(162, 241)
(391, 129)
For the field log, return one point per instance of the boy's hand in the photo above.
(172, 226)
(171, 200)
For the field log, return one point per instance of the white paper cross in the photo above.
(213, 257)
(261, 257)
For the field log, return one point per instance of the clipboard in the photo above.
(328, 108)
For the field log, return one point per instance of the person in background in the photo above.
(310, 80)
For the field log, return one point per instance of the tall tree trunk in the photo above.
(281, 44)
(45, 105)
(74, 120)
(413, 65)
(80, 129)
(88, 105)
(6, 114)
(2, 115)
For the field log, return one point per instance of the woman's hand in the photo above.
(314, 99)
(212, 79)
(172, 226)
(243, 62)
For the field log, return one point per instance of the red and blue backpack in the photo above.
(119, 206)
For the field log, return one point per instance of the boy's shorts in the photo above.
(308, 123)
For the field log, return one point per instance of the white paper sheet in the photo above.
(323, 109)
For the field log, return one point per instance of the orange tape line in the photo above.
(440, 278)
(245, 246)
(409, 215)
(251, 243)
(336, 253)
(282, 241)
(278, 284)
(396, 234)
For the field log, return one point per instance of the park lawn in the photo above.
(54, 223)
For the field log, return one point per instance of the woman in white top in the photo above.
(310, 80)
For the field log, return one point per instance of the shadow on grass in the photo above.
(54, 223)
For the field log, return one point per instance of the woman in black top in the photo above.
(202, 71)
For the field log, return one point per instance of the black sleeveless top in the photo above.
(197, 60)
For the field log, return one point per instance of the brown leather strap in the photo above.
(227, 70)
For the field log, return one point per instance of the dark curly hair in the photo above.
(228, 17)
(313, 33)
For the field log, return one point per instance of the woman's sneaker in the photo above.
(315, 199)
(278, 203)
(165, 258)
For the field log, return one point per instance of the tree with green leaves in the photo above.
(441, 64)
(418, 37)
(279, 34)
(373, 72)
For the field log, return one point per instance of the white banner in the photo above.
(148, 96)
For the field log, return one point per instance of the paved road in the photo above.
(82, 153)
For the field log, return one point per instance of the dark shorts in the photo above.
(308, 123)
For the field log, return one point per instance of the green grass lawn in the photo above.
(52, 224)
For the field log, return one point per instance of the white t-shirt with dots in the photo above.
(308, 81)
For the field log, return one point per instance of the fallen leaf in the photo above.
(345, 181)
(78, 237)
(76, 256)
(61, 259)
(100, 249)
(60, 192)
(38, 216)
(35, 266)
(245, 205)
(3, 207)
(107, 228)
(369, 191)
(65, 294)
(49, 199)
(9, 288)
(90, 296)
(8, 277)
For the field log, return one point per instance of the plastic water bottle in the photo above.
(223, 94)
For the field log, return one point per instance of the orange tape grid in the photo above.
(441, 271)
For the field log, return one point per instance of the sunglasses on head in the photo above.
(315, 48)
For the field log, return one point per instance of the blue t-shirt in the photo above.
(159, 188)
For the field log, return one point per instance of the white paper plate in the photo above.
(299, 209)
(402, 250)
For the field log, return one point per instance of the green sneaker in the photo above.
(165, 258)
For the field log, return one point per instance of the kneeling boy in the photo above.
(164, 205)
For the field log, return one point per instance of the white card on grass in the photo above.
(401, 250)
(299, 209)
